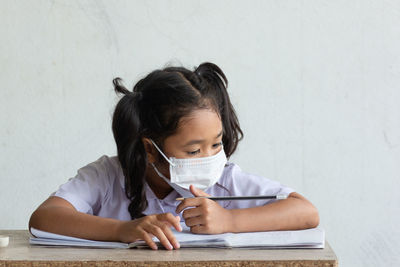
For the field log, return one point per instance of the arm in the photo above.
(207, 216)
(293, 213)
(57, 215)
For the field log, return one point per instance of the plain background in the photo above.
(315, 85)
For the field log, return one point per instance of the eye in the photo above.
(194, 152)
(217, 145)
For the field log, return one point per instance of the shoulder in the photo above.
(110, 164)
(232, 173)
(239, 181)
(101, 171)
(92, 184)
(104, 164)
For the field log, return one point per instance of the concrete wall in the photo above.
(315, 84)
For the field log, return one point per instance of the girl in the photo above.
(174, 133)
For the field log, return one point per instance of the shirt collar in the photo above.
(171, 197)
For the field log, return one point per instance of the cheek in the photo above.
(175, 152)
(163, 166)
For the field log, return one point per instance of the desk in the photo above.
(20, 253)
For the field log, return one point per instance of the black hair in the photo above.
(153, 110)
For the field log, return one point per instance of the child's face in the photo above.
(198, 135)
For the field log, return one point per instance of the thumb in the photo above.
(197, 192)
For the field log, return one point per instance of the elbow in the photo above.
(33, 221)
(312, 218)
(308, 213)
(37, 220)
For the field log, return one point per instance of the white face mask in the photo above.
(200, 172)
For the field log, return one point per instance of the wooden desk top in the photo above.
(20, 253)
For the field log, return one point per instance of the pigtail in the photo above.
(218, 83)
(119, 88)
(132, 156)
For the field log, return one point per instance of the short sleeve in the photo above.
(239, 183)
(88, 188)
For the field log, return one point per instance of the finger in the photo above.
(198, 192)
(147, 238)
(155, 230)
(174, 221)
(169, 235)
(190, 202)
(179, 223)
(198, 229)
(189, 213)
(199, 220)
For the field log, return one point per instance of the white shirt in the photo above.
(99, 189)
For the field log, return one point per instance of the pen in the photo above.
(238, 197)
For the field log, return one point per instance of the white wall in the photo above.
(315, 84)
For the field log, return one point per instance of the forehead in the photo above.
(199, 124)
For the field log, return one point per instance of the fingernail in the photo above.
(177, 245)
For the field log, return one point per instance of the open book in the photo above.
(309, 238)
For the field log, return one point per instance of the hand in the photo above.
(207, 216)
(145, 228)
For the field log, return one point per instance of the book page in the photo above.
(307, 237)
(50, 239)
(310, 238)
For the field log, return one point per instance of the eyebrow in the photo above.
(194, 142)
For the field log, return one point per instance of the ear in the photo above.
(151, 151)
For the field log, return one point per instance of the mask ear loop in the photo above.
(178, 189)
(159, 150)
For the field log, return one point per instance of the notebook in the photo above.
(309, 238)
